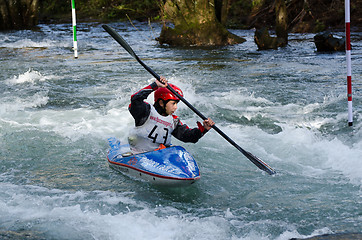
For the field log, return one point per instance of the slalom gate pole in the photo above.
(348, 60)
(75, 45)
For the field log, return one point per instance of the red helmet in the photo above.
(165, 94)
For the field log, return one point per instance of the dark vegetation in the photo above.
(100, 10)
(303, 15)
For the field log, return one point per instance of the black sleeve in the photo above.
(183, 133)
(139, 109)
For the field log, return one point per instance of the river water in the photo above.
(286, 106)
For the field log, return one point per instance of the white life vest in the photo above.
(155, 131)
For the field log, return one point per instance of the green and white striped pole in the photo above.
(75, 45)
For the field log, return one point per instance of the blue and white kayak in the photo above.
(172, 166)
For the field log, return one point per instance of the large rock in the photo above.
(338, 236)
(208, 34)
(325, 42)
(195, 24)
(265, 41)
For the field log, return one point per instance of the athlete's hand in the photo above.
(162, 82)
(208, 123)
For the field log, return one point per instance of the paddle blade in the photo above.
(120, 40)
(259, 163)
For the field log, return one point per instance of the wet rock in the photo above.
(325, 42)
(20, 235)
(340, 236)
(264, 41)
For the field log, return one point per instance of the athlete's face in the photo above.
(171, 107)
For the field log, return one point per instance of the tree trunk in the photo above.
(281, 20)
(222, 8)
(226, 4)
(262, 37)
(4, 15)
(195, 24)
(18, 14)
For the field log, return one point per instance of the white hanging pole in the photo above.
(348, 60)
(75, 45)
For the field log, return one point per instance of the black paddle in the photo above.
(258, 162)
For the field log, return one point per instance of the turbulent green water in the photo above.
(286, 106)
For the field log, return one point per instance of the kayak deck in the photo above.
(172, 166)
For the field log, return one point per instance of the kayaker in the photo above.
(154, 124)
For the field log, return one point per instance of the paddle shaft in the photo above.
(258, 162)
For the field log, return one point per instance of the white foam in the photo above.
(30, 76)
(343, 158)
(78, 123)
(304, 151)
(28, 43)
(71, 214)
(9, 106)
